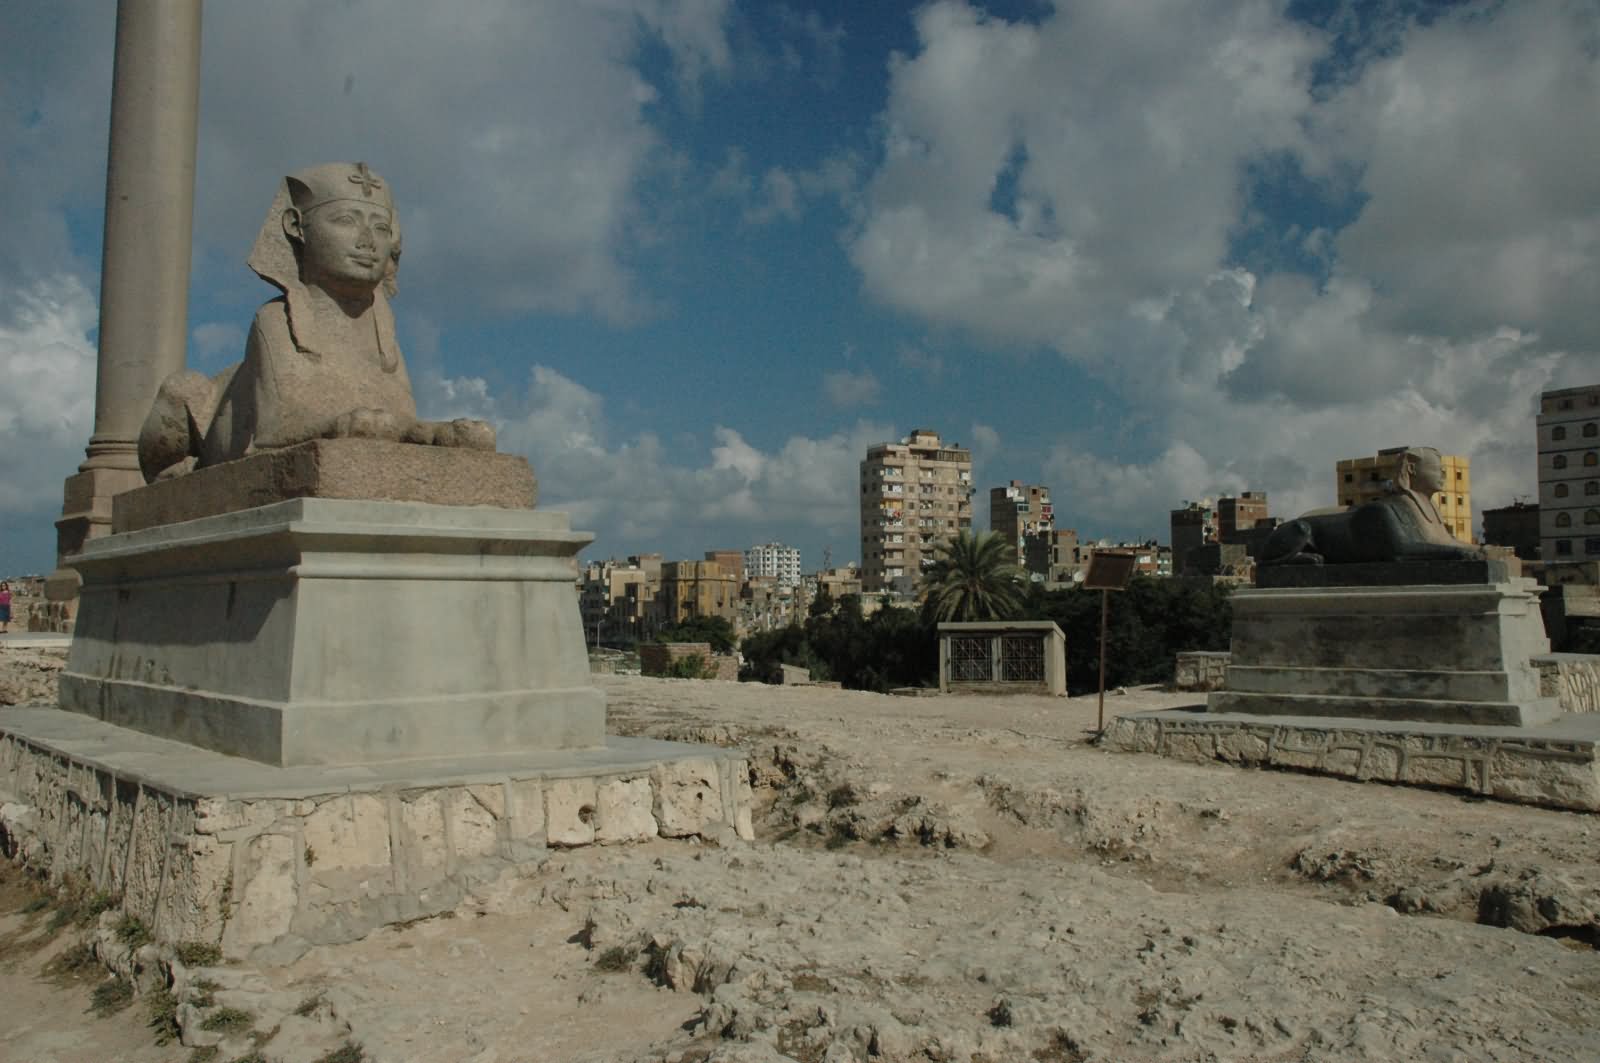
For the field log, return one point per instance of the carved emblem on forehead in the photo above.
(366, 179)
(313, 187)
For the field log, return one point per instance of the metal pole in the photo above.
(1105, 613)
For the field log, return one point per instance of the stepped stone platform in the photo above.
(1554, 764)
(268, 861)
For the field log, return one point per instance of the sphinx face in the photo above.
(345, 244)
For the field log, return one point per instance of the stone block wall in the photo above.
(1571, 678)
(270, 876)
(1552, 773)
(1200, 670)
(657, 658)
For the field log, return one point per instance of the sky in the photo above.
(693, 257)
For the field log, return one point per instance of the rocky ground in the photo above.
(957, 878)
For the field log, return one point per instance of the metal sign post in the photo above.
(1109, 570)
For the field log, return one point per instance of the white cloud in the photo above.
(640, 494)
(515, 139)
(1084, 184)
(47, 404)
(845, 388)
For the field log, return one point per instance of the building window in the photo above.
(1591, 458)
(1592, 487)
(1349, 477)
(1558, 462)
(1563, 547)
(1561, 490)
(1591, 545)
(1591, 516)
(1558, 433)
(1590, 430)
(1563, 520)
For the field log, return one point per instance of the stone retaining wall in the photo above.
(1571, 678)
(271, 876)
(1200, 670)
(657, 658)
(1553, 773)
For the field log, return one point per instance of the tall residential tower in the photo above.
(914, 494)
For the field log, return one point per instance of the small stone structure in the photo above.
(1002, 657)
(657, 658)
(1200, 670)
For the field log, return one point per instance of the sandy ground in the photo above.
(967, 878)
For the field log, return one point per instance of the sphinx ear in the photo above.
(293, 226)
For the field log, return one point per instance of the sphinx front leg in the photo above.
(366, 422)
(463, 433)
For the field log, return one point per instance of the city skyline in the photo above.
(694, 259)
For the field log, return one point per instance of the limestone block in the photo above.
(198, 882)
(527, 809)
(1520, 774)
(422, 824)
(1383, 763)
(622, 811)
(1243, 746)
(349, 831)
(475, 829)
(1342, 761)
(265, 893)
(686, 796)
(216, 815)
(1440, 769)
(1191, 745)
(148, 850)
(570, 811)
(743, 802)
(1299, 756)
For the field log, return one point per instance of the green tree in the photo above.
(973, 577)
(713, 629)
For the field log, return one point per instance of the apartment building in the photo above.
(696, 588)
(1237, 515)
(780, 562)
(1018, 512)
(1568, 428)
(914, 494)
(1193, 526)
(1364, 479)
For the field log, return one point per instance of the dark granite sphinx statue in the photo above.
(1404, 525)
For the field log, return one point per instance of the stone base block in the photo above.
(360, 469)
(269, 861)
(324, 631)
(1438, 653)
(1555, 765)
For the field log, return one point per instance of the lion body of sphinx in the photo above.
(1388, 529)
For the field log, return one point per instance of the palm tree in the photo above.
(973, 577)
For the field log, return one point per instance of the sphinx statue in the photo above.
(1403, 525)
(322, 361)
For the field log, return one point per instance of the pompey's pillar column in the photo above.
(144, 273)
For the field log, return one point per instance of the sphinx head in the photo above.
(340, 220)
(1422, 470)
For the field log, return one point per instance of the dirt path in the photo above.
(969, 879)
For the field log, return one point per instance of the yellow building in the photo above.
(696, 588)
(1363, 479)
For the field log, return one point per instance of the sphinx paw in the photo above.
(464, 433)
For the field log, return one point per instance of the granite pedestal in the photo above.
(1441, 642)
(329, 631)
